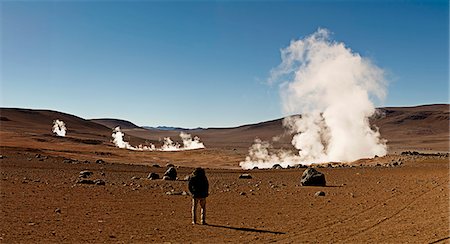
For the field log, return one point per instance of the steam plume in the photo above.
(118, 139)
(168, 143)
(332, 87)
(59, 128)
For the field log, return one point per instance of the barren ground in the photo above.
(407, 203)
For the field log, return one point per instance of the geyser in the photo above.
(331, 87)
(189, 143)
(59, 128)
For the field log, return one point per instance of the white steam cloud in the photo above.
(168, 144)
(59, 128)
(332, 87)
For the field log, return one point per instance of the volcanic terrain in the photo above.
(401, 197)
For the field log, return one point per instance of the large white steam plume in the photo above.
(331, 87)
(59, 128)
(168, 144)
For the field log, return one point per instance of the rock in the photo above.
(135, 178)
(179, 193)
(67, 161)
(245, 176)
(156, 166)
(187, 177)
(58, 210)
(2, 157)
(99, 182)
(153, 176)
(242, 193)
(312, 177)
(170, 174)
(85, 174)
(276, 166)
(169, 165)
(84, 181)
(319, 194)
(99, 161)
(301, 166)
(38, 155)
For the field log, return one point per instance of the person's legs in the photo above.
(203, 206)
(194, 210)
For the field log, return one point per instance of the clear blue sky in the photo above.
(204, 63)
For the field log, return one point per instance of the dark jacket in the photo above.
(198, 184)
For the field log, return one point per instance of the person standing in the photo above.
(199, 187)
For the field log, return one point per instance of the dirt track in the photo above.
(408, 203)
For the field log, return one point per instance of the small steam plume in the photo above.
(332, 87)
(118, 139)
(168, 144)
(59, 128)
(189, 143)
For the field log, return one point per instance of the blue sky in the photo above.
(204, 63)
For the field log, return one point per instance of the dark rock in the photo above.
(242, 193)
(301, 166)
(319, 194)
(135, 178)
(67, 161)
(84, 181)
(245, 176)
(85, 174)
(2, 157)
(312, 177)
(99, 161)
(255, 168)
(169, 165)
(99, 182)
(156, 166)
(58, 210)
(276, 166)
(170, 174)
(153, 176)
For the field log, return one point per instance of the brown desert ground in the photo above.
(392, 199)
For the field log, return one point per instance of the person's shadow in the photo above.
(247, 229)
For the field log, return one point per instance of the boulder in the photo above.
(99, 182)
(312, 177)
(245, 176)
(85, 174)
(153, 176)
(319, 194)
(170, 174)
(276, 166)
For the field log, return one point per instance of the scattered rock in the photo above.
(99, 182)
(38, 155)
(153, 176)
(135, 178)
(99, 161)
(255, 168)
(179, 193)
(245, 176)
(319, 194)
(156, 166)
(2, 156)
(242, 193)
(170, 174)
(312, 177)
(187, 177)
(85, 174)
(276, 166)
(58, 210)
(301, 166)
(85, 181)
(67, 161)
(169, 165)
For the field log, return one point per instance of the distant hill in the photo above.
(424, 127)
(113, 123)
(171, 128)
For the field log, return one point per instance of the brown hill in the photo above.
(113, 123)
